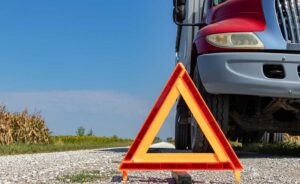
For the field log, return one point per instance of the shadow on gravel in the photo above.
(240, 154)
(151, 150)
(115, 150)
(118, 179)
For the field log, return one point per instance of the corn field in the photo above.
(289, 138)
(22, 127)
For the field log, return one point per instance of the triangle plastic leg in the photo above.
(124, 176)
(237, 174)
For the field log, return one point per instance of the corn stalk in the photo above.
(22, 128)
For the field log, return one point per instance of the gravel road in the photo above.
(47, 167)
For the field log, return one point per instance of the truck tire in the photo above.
(182, 127)
(219, 106)
(262, 137)
(275, 138)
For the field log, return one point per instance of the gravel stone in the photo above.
(46, 167)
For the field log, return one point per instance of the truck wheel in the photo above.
(219, 106)
(182, 127)
(276, 138)
(262, 137)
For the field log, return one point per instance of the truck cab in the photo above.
(244, 58)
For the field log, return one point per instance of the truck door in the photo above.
(186, 34)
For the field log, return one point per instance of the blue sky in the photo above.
(99, 64)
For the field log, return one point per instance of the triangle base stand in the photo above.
(237, 174)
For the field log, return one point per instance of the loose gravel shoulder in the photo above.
(47, 167)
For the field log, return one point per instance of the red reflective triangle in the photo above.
(129, 162)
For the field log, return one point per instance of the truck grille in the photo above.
(288, 13)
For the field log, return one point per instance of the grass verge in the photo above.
(82, 177)
(69, 143)
(65, 143)
(87, 176)
(284, 149)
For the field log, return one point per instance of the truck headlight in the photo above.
(235, 40)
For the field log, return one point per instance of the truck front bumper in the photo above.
(242, 73)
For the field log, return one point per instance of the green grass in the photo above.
(68, 143)
(82, 177)
(65, 143)
(284, 149)
(87, 176)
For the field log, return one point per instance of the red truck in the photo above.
(244, 57)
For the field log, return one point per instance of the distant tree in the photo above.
(80, 131)
(157, 139)
(169, 139)
(91, 133)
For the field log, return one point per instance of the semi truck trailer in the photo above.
(244, 58)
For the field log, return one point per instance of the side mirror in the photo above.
(178, 2)
(179, 12)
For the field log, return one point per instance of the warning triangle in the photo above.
(223, 158)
